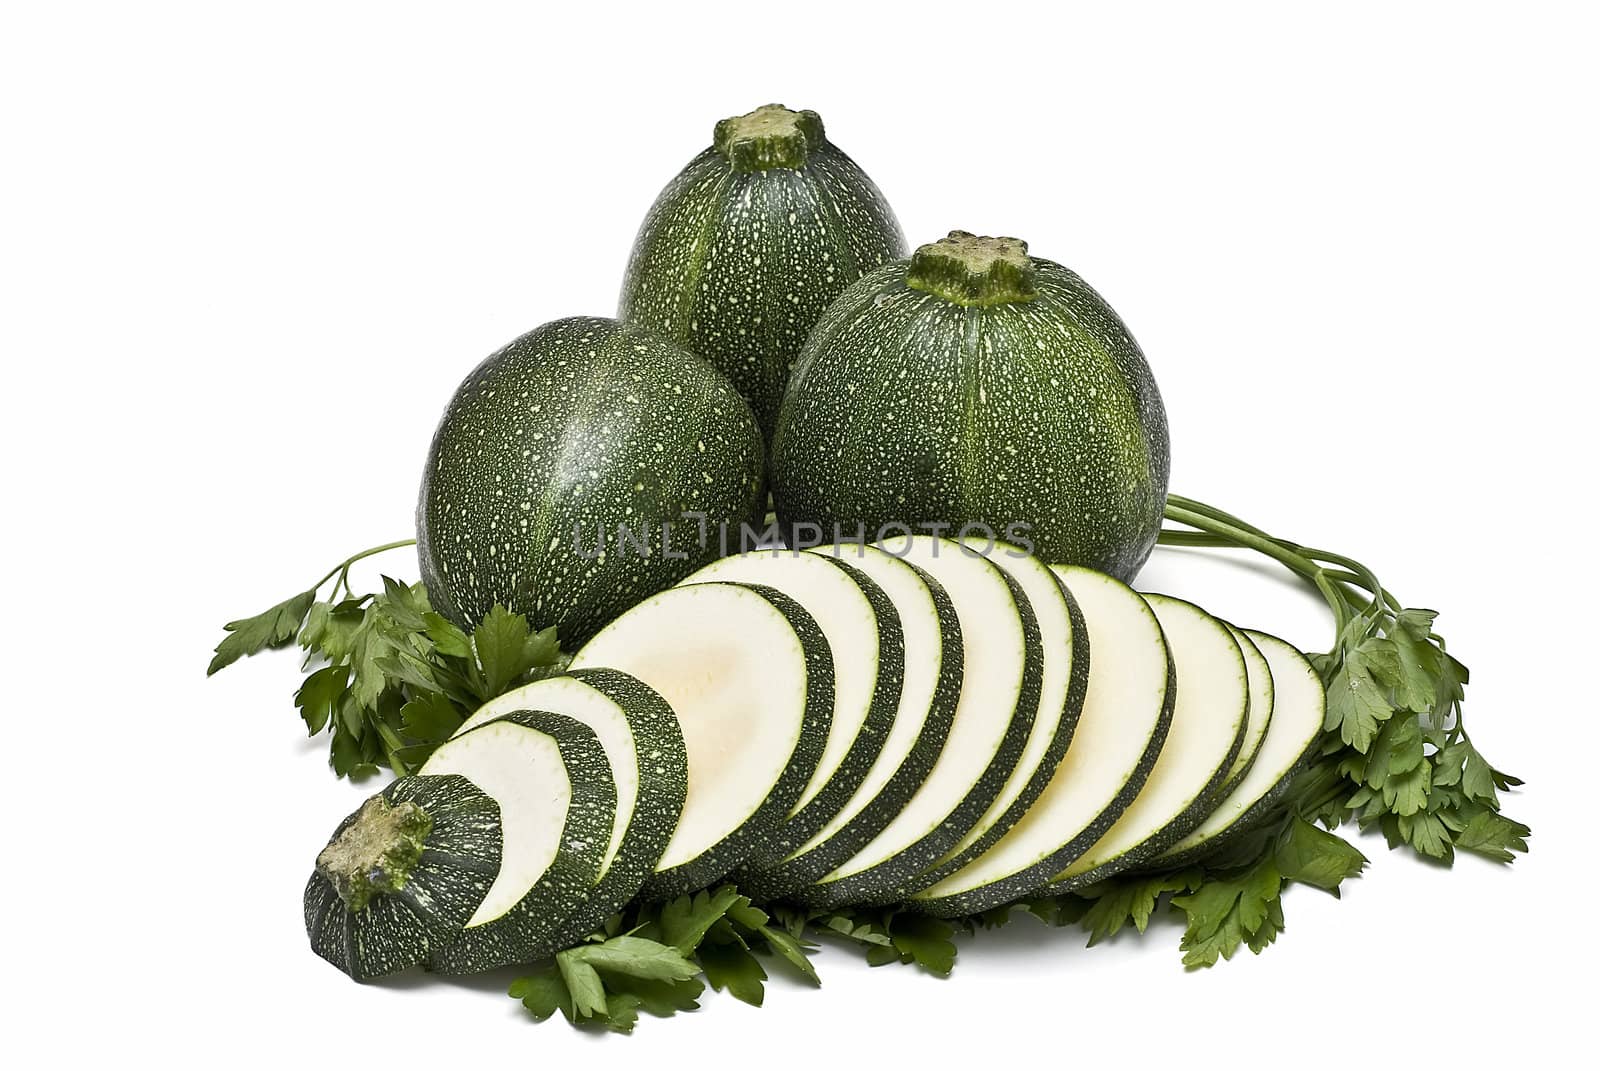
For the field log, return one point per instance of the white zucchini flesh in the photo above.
(1259, 674)
(523, 772)
(1126, 712)
(982, 731)
(1066, 665)
(1208, 724)
(734, 670)
(1299, 703)
(570, 696)
(848, 623)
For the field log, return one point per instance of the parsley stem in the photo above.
(343, 568)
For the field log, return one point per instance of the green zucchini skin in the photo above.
(663, 785)
(908, 407)
(530, 930)
(737, 264)
(892, 879)
(762, 833)
(394, 931)
(573, 429)
(1040, 780)
(786, 877)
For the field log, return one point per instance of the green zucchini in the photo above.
(746, 247)
(1296, 729)
(579, 470)
(931, 659)
(552, 781)
(1127, 709)
(863, 634)
(403, 873)
(644, 748)
(1002, 666)
(1258, 674)
(1207, 731)
(973, 384)
(750, 677)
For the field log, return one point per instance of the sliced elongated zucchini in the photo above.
(1299, 702)
(403, 873)
(1208, 726)
(1127, 710)
(552, 781)
(931, 659)
(1066, 659)
(1259, 675)
(644, 747)
(1002, 663)
(863, 634)
(750, 678)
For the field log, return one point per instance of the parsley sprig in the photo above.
(391, 678)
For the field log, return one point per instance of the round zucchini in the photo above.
(582, 468)
(974, 384)
(746, 247)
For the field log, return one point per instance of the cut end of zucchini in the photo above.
(374, 854)
(972, 270)
(770, 137)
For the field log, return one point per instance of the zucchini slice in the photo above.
(1259, 675)
(552, 781)
(750, 678)
(1298, 708)
(404, 872)
(1127, 710)
(1002, 663)
(1208, 726)
(1065, 651)
(930, 657)
(644, 748)
(863, 634)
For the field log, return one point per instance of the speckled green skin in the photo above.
(738, 265)
(908, 407)
(581, 424)
(395, 930)
(779, 880)
(529, 931)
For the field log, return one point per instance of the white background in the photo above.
(248, 251)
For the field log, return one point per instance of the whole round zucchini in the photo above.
(976, 385)
(586, 466)
(747, 246)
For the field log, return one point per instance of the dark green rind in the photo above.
(1170, 834)
(810, 819)
(765, 825)
(579, 426)
(891, 879)
(528, 931)
(737, 265)
(460, 859)
(1077, 688)
(1266, 807)
(782, 879)
(1037, 877)
(663, 784)
(882, 420)
(1239, 775)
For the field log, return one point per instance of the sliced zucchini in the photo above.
(1259, 675)
(552, 781)
(1127, 710)
(863, 634)
(1065, 651)
(644, 748)
(931, 658)
(1298, 707)
(750, 678)
(403, 873)
(1002, 663)
(1208, 726)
